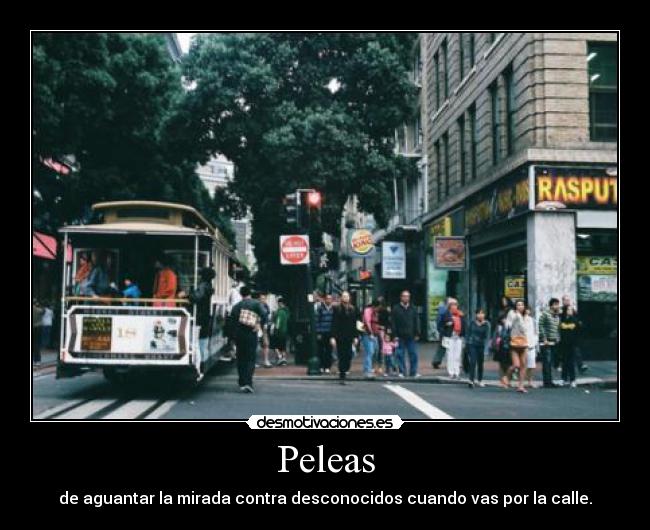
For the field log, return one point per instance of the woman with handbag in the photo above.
(518, 322)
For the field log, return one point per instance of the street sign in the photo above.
(393, 260)
(294, 250)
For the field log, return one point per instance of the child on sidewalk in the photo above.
(388, 347)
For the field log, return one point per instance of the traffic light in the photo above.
(292, 208)
(312, 202)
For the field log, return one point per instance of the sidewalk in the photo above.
(600, 373)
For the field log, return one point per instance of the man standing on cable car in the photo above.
(165, 284)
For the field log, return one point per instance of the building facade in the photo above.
(217, 173)
(521, 141)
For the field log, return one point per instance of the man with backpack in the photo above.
(247, 317)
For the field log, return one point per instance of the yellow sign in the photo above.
(441, 227)
(361, 242)
(515, 287)
(603, 265)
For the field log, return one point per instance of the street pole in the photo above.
(313, 364)
(364, 285)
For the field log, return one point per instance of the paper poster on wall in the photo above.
(515, 287)
(450, 253)
(436, 293)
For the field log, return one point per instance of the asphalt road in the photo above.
(90, 397)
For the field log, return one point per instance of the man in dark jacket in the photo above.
(566, 304)
(202, 298)
(405, 326)
(247, 318)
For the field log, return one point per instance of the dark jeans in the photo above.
(246, 354)
(476, 358)
(36, 344)
(409, 345)
(344, 354)
(548, 357)
(568, 362)
(325, 351)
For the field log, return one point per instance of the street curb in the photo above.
(605, 383)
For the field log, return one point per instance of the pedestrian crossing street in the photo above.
(108, 409)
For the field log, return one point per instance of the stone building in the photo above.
(521, 135)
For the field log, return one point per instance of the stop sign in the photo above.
(294, 250)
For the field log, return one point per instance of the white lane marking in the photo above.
(416, 401)
(130, 410)
(55, 410)
(161, 410)
(86, 410)
(611, 390)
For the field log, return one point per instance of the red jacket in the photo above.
(165, 284)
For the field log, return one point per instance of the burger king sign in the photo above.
(361, 243)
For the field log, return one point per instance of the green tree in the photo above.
(106, 98)
(296, 110)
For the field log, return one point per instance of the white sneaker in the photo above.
(247, 389)
(573, 384)
(400, 375)
(327, 370)
(481, 384)
(417, 375)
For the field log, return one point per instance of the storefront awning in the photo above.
(43, 246)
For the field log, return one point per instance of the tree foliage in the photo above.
(106, 99)
(266, 102)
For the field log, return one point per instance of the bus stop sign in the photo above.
(294, 250)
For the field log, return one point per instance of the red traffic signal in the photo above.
(314, 199)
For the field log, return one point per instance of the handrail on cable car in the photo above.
(131, 300)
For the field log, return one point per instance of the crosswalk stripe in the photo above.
(161, 410)
(417, 402)
(130, 410)
(86, 410)
(55, 410)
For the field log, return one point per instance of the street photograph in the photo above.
(410, 225)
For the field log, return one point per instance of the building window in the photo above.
(461, 149)
(510, 109)
(602, 60)
(494, 116)
(472, 50)
(438, 171)
(436, 66)
(418, 131)
(417, 67)
(473, 139)
(494, 36)
(445, 65)
(445, 146)
(461, 55)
